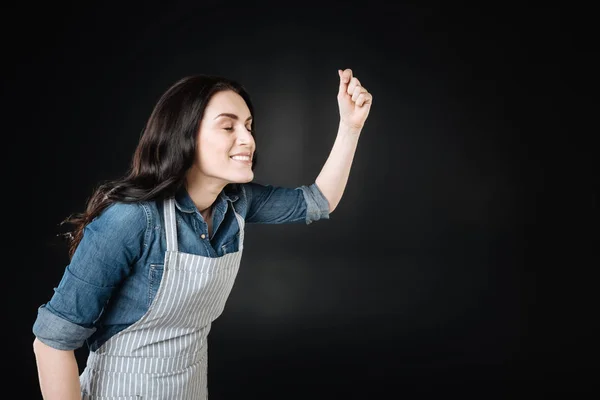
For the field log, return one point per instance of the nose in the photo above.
(245, 137)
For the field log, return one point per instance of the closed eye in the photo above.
(229, 129)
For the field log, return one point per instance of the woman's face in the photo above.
(225, 144)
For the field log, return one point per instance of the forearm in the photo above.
(334, 175)
(58, 372)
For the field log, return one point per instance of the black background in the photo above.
(457, 263)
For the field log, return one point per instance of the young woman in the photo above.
(155, 254)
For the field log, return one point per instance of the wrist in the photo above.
(350, 129)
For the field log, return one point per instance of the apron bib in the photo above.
(163, 356)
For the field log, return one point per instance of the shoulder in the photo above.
(239, 196)
(238, 193)
(119, 213)
(128, 218)
(120, 228)
(250, 189)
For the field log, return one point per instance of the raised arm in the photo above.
(354, 103)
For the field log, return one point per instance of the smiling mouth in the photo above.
(242, 159)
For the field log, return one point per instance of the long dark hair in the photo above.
(164, 153)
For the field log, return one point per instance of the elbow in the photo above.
(332, 205)
(40, 347)
(323, 200)
(37, 345)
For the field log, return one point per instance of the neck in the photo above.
(203, 191)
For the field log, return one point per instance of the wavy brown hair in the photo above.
(164, 153)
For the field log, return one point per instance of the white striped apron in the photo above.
(164, 354)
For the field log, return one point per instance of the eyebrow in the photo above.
(232, 116)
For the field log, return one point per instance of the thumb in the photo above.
(343, 82)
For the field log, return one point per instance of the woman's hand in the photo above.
(353, 99)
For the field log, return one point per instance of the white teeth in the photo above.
(241, 158)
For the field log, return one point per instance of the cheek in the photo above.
(212, 149)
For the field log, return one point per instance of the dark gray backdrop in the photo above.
(452, 266)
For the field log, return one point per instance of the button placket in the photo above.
(200, 225)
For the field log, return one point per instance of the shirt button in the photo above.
(203, 236)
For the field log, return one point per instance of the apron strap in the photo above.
(241, 222)
(170, 224)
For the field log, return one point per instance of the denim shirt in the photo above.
(116, 270)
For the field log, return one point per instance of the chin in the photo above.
(246, 179)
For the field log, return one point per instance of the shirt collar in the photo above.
(185, 204)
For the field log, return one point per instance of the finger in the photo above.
(363, 98)
(360, 99)
(354, 82)
(345, 77)
(357, 91)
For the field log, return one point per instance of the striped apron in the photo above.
(164, 354)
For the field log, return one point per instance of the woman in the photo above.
(155, 255)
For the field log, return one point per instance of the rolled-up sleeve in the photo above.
(58, 332)
(317, 206)
(269, 204)
(109, 246)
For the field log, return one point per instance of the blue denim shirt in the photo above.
(116, 270)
